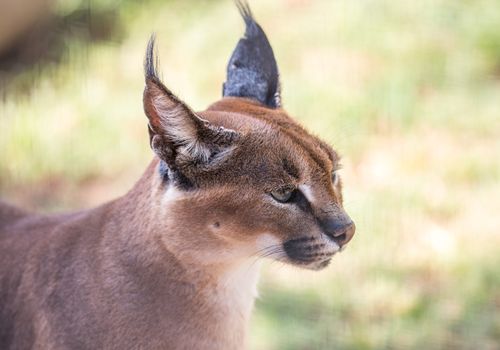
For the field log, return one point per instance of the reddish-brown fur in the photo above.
(173, 263)
(149, 271)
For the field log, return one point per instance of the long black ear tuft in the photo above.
(151, 61)
(252, 71)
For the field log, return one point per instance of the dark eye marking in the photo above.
(292, 196)
(290, 168)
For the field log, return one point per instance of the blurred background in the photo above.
(407, 91)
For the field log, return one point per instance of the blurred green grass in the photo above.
(407, 91)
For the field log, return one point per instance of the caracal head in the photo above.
(243, 179)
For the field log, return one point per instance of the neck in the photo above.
(215, 289)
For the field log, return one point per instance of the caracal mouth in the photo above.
(310, 252)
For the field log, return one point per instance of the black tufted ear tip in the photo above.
(252, 71)
(252, 27)
(151, 61)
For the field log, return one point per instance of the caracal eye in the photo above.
(335, 177)
(282, 196)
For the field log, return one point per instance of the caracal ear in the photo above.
(177, 135)
(252, 71)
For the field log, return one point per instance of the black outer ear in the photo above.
(252, 71)
(177, 135)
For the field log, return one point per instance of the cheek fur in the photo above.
(266, 240)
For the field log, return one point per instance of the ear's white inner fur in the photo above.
(180, 127)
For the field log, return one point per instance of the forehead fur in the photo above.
(278, 143)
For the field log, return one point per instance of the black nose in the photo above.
(341, 230)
